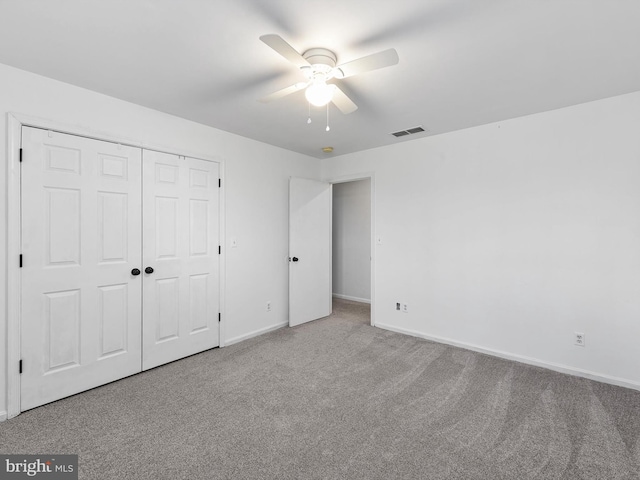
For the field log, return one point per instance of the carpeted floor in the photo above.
(338, 399)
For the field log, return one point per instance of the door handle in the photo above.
(148, 270)
(295, 259)
(135, 272)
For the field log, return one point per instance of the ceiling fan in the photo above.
(318, 65)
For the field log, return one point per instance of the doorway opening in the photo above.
(311, 245)
(352, 242)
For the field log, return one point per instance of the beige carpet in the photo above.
(338, 399)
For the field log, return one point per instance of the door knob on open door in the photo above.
(295, 259)
(148, 270)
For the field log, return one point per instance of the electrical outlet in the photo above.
(405, 308)
(269, 306)
(579, 339)
(398, 306)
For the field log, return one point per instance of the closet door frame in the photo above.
(15, 122)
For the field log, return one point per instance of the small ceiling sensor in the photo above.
(327, 149)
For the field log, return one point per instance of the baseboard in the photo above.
(621, 382)
(255, 333)
(3, 416)
(353, 299)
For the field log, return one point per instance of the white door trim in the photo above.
(15, 122)
(353, 178)
(83, 131)
(14, 292)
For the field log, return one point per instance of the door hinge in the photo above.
(219, 249)
(20, 260)
(219, 181)
(20, 366)
(219, 317)
(20, 155)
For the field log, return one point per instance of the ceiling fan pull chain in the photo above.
(328, 118)
(309, 119)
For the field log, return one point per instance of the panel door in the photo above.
(81, 221)
(310, 250)
(180, 243)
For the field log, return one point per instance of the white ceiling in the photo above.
(462, 62)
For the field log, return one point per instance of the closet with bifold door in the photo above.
(120, 262)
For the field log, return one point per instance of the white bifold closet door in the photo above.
(81, 217)
(120, 262)
(180, 236)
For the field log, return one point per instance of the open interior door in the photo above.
(310, 214)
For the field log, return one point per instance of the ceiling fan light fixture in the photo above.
(319, 93)
(319, 65)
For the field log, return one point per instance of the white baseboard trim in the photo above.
(621, 382)
(3, 416)
(255, 333)
(353, 299)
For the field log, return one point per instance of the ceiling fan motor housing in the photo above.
(320, 56)
(322, 62)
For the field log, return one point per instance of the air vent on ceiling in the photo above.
(408, 131)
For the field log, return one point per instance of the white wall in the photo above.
(352, 240)
(512, 236)
(255, 186)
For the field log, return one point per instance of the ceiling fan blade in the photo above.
(284, 92)
(283, 48)
(344, 103)
(368, 63)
